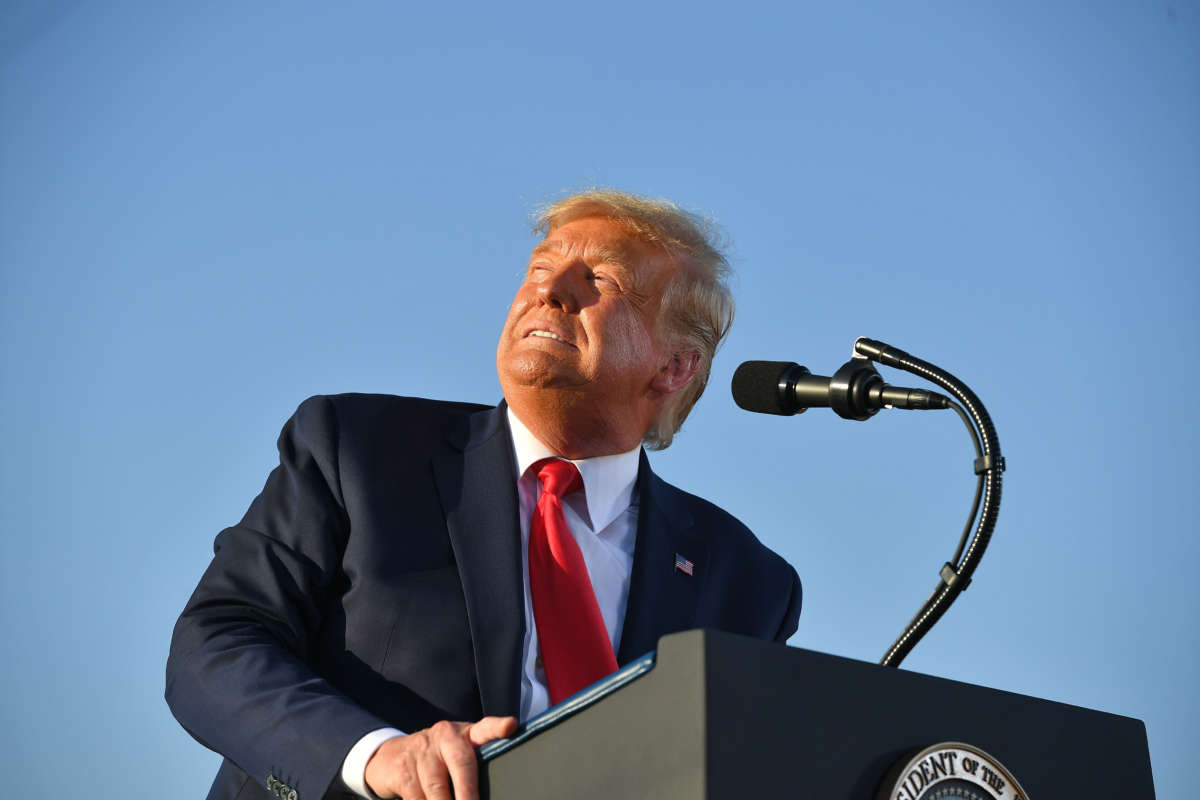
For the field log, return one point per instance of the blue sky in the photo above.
(209, 213)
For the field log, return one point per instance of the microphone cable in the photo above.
(857, 391)
(955, 574)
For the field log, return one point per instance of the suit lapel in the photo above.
(662, 599)
(477, 485)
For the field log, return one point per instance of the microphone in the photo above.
(855, 391)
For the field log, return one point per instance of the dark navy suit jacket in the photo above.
(376, 581)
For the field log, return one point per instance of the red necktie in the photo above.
(574, 643)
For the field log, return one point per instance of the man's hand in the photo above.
(424, 765)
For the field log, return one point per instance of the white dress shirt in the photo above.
(603, 520)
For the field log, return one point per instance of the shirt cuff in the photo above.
(355, 766)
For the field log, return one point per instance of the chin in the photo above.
(533, 369)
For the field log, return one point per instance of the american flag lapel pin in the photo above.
(683, 565)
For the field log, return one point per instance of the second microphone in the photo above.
(855, 391)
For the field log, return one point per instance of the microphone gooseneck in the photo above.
(856, 391)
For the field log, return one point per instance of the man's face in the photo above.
(585, 319)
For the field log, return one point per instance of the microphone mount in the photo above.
(856, 391)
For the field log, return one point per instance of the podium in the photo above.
(717, 717)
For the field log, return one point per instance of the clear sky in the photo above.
(209, 212)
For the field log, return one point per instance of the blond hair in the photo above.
(697, 306)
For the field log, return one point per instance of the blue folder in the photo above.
(571, 706)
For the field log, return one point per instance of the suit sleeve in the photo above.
(238, 678)
(791, 616)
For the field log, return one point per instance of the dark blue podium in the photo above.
(713, 716)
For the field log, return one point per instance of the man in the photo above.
(416, 574)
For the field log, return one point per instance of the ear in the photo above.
(675, 373)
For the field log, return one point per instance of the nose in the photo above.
(561, 288)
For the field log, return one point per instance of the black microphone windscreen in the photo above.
(756, 386)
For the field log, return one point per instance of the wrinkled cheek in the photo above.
(515, 311)
(634, 345)
(505, 340)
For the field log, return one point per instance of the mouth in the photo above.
(542, 333)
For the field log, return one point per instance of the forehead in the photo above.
(602, 239)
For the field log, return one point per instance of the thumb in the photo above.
(490, 728)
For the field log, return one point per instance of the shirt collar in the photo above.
(607, 480)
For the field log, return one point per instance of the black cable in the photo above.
(962, 540)
(989, 465)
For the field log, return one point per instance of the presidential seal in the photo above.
(951, 771)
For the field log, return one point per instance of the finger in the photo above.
(490, 728)
(460, 759)
(435, 780)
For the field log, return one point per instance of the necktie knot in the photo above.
(558, 477)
